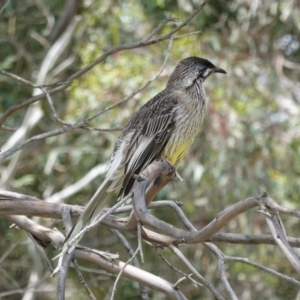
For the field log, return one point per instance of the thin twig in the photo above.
(278, 231)
(84, 230)
(158, 27)
(4, 6)
(177, 37)
(221, 265)
(7, 128)
(32, 100)
(195, 283)
(82, 281)
(127, 246)
(54, 113)
(88, 120)
(121, 271)
(263, 268)
(21, 145)
(100, 59)
(138, 44)
(195, 272)
(178, 282)
(29, 83)
(105, 129)
(140, 240)
(38, 137)
(143, 290)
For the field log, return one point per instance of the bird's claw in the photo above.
(138, 177)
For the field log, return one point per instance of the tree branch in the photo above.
(100, 59)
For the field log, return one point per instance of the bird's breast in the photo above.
(189, 117)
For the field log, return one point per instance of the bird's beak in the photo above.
(219, 70)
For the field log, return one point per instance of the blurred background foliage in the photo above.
(248, 144)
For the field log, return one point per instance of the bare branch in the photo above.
(137, 44)
(38, 137)
(221, 264)
(158, 27)
(248, 239)
(121, 271)
(100, 59)
(68, 247)
(131, 272)
(42, 234)
(263, 268)
(54, 113)
(18, 204)
(7, 195)
(82, 281)
(150, 174)
(4, 6)
(121, 237)
(18, 78)
(70, 127)
(278, 232)
(62, 276)
(31, 100)
(61, 281)
(195, 272)
(188, 276)
(268, 201)
(140, 242)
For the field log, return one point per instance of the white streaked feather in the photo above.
(117, 164)
(143, 144)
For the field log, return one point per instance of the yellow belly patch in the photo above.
(174, 153)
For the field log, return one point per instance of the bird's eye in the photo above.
(205, 73)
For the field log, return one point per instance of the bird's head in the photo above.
(190, 71)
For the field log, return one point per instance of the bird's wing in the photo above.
(150, 130)
(141, 141)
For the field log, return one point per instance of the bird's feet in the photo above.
(138, 177)
(171, 170)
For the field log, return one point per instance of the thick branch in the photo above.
(150, 174)
(16, 206)
(131, 272)
(45, 236)
(36, 208)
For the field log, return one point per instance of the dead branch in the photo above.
(263, 268)
(195, 272)
(154, 176)
(278, 231)
(44, 235)
(16, 206)
(131, 272)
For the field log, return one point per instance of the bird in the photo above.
(165, 126)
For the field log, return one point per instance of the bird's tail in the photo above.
(91, 211)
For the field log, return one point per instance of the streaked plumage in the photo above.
(164, 126)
